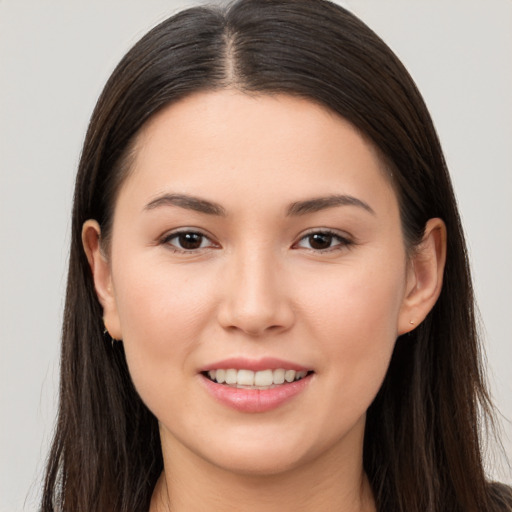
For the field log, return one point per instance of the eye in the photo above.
(187, 241)
(322, 241)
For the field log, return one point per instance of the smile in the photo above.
(255, 386)
(249, 379)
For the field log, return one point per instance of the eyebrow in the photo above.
(321, 203)
(295, 209)
(187, 202)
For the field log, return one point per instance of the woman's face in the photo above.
(258, 236)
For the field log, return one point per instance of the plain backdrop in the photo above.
(54, 59)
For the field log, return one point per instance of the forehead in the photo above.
(255, 147)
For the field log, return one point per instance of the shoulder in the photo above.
(501, 497)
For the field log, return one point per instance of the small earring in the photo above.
(106, 333)
(411, 322)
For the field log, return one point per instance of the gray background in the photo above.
(54, 59)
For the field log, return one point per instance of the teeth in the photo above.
(289, 375)
(245, 378)
(249, 379)
(231, 376)
(264, 378)
(279, 376)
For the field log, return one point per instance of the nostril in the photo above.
(257, 320)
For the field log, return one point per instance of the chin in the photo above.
(258, 462)
(270, 452)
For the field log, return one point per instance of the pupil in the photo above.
(190, 240)
(320, 241)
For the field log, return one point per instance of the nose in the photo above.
(255, 300)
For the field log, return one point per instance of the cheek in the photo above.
(159, 297)
(361, 301)
(355, 316)
(161, 311)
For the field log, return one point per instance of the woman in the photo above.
(269, 304)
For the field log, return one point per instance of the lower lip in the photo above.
(255, 400)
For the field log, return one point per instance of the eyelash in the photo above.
(166, 240)
(343, 242)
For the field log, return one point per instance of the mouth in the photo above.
(257, 380)
(255, 385)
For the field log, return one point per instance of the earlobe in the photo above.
(424, 277)
(102, 276)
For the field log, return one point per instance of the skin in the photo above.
(257, 287)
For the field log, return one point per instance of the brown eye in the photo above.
(323, 241)
(185, 241)
(320, 241)
(189, 241)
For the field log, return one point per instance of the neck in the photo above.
(334, 481)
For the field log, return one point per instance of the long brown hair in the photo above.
(422, 449)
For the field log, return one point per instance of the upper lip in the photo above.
(265, 363)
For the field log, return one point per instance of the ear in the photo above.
(102, 276)
(424, 276)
